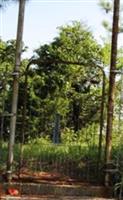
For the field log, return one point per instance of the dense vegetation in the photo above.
(56, 90)
(60, 99)
(60, 92)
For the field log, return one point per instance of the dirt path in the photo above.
(52, 198)
(52, 186)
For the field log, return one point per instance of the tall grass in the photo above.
(76, 152)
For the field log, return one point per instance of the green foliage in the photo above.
(7, 61)
(87, 136)
(65, 81)
(73, 145)
(76, 43)
(63, 87)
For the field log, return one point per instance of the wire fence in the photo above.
(67, 161)
(62, 161)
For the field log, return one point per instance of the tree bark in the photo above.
(101, 121)
(24, 113)
(56, 130)
(76, 114)
(115, 30)
(15, 87)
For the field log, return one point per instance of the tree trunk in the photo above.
(24, 113)
(101, 122)
(56, 130)
(15, 87)
(115, 30)
(76, 114)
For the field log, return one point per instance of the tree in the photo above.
(7, 60)
(15, 86)
(67, 87)
(107, 6)
(115, 30)
(7, 53)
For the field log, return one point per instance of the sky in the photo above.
(42, 17)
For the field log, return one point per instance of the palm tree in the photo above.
(115, 30)
(15, 83)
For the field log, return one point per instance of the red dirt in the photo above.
(46, 177)
(53, 178)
